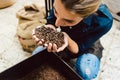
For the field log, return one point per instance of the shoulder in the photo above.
(103, 9)
(102, 17)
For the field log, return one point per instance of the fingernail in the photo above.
(50, 44)
(42, 39)
(40, 43)
(33, 32)
(36, 39)
(58, 51)
(45, 45)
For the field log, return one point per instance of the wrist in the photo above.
(72, 46)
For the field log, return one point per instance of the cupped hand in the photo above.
(41, 41)
(52, 47)
(65, 42)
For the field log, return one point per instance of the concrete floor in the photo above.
(110, 62)
(11, 51)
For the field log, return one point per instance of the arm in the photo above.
(88, 40)
(93, 36)
(72, 46)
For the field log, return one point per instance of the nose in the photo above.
(59, 22)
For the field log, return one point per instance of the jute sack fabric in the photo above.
(6, 3)
(31, 12)
(25, 29)
(24, 33)
(29, 17)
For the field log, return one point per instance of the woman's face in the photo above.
(64, 16)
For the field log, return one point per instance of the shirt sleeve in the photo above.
(93, 35)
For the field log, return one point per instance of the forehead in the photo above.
(62, 11)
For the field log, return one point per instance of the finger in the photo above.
(45, 45)
(64, 46)
(54, 48)
(35, 38)
(61, 48)
(50, 26)
(33, 32)
(40, 43)
(42, 40)
(49, 48)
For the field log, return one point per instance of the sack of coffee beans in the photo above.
(6, 3)
(24, 33)
(29, 18)
(31, 12)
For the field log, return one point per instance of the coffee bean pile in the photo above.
(50, 35)
(45, 72)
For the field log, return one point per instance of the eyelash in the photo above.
(55, 12)
(69, 21)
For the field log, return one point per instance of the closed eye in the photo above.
(69, 21)
(55, 10)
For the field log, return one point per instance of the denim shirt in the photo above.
(90, 29)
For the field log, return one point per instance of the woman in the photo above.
(83, 22)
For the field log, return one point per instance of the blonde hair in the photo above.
(82, 7)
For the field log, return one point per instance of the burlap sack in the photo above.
(24, 33)
(27, 44)
(6, 3)
(25, 29)
(29, 17)
(31, 12)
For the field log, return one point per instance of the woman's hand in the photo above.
(65, 42)
(51, 47)
(38, 41)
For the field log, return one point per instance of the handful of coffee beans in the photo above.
(50, 35)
